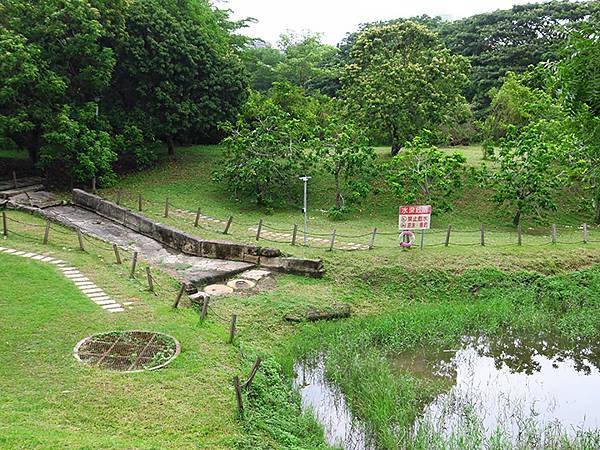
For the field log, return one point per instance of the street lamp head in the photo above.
(305, 179)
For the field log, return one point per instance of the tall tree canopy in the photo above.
(403, 80)
(83, 81)
(511, 40)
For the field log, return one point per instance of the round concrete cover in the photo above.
(217, 290)
(241, 284)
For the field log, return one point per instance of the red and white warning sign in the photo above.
(414, 217)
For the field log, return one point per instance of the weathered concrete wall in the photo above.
(267, 257)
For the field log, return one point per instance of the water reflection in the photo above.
(512, 386)
(329, 407)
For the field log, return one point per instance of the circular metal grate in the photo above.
(127, 351)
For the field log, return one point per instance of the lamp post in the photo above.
(305, 179)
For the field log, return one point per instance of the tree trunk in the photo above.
(170, 146)
(598, 211)
(396, 148)
(395, 141)
(338, 194)
(517, 218)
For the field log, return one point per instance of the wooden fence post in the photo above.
(253, 371)
(554, 233)
(117, 255)
(140, 202)
(80, 238)
(422, 243)
(46, 232)
(150, 281)
(372, 240)
(133, 264)
(4, 225)
(259, 229)
(294, 234)
(482, 235)
(448, 235)
(179, 295)
(585, 233)
(167, 207)
(204, 308)
(14, 174)
(232, 329)
(228, 225)
(197, 217)
(238, 395)
(520, 234)
(332, 243)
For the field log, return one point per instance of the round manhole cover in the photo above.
(241, 284)
(127, 351)
(217, 290)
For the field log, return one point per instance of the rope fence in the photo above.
(374, 239)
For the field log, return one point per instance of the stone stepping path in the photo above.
(83, 283)
(284, 238)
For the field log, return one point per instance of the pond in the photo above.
(511, 389)
(329, 407)
(515, 390)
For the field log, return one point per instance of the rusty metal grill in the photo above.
(127, 351)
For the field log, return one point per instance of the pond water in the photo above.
(510, 387)
(329, 407)
(523, 392)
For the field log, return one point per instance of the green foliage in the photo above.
(516, 104)
(147, 69)
(511, 40)
(343, 151)
(421, 173)
(403, 80)
(264, 151)
(530, 173)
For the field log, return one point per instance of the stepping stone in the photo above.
(73, 275)
(128, 303)
(67, 269)
(80, 279)
(240, 285)
(116, 310)
(2, 249)
(29, 255)
(255, 274)
(47, 259)
(57, 261)
(105, 302)
(101, 298)
(84, 284)
(111, 306)
(218, 290)
(91, 290)
(94, 295)
(19, 253)
(38, 257)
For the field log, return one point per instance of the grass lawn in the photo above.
(399, 299)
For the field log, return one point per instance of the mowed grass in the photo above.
(49, 400)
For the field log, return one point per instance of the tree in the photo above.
(530, 174)
(344, 152)
(264, 152)
(402, 80)
(578, 81)
(516, 104)
(422, 173)
(177, 72)
(261, 64)
(53, 67)
(512, 40)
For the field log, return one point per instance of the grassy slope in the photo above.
(51, 401)
(197, 404)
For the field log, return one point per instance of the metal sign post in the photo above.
(304, 210)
